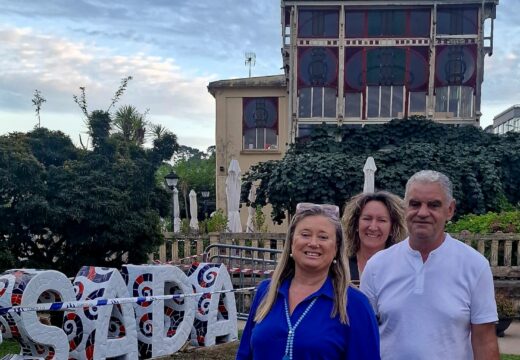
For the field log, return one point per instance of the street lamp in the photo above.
(171, 181)
(205, 195)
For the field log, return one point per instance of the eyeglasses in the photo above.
(330, 210)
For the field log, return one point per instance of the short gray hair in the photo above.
(430, 177)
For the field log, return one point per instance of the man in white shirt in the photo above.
(434, 295)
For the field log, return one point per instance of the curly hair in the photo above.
(352, 213)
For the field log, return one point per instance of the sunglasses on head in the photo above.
(330, 210)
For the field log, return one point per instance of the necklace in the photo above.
(290, 336)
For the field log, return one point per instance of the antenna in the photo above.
(250, 60)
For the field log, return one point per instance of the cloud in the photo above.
(501, 85)
(58, 67)
(173, 49)
(205, 35)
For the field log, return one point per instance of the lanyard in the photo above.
(290, 336)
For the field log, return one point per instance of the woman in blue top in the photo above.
(307, 310)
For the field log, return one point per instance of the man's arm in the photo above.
(484, 342)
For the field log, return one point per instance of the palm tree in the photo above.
(158, 131)
(130, 124)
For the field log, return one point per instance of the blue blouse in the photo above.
(318, 336)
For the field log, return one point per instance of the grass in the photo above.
(219, 352)
(9, 347)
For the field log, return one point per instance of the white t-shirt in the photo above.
(426, 309)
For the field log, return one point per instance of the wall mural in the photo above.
(127, 327)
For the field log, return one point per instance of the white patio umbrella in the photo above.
(233, 183)
(176, 218)
(369, 169)
(250, 226)
(194, 222)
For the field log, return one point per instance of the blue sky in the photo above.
(173, 49)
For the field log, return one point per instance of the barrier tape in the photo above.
(231, 270)
(178, 261)
(60, 306)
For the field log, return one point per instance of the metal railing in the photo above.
(247, 266)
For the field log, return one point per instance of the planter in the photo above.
(502, 325)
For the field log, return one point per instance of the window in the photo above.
(455, 65)
(317, 102)
(260, 123)
(385, 101)
(318, 23)
(353, 105)
(317, 66)
(454, 101)
(385, 73)
(386, 66)
(419, 24)
(305, 131)
(387, 23)
(417, 103)
(317, 82)
(355, 24)
(457, 21)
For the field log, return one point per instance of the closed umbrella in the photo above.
(233, 183)
(369, 169)
(194, 222)
(250, 226)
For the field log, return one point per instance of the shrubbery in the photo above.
(491, 222)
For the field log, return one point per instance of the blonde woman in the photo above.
(372, 222)
(307, 310)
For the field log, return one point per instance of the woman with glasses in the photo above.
(372, 222)
(307, 310)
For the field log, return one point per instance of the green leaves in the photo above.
(62, 207)
(484, 168)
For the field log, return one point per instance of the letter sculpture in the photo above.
(143, 312)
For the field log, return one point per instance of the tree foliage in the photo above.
(62, 207)
(484, 168)
(196, 170)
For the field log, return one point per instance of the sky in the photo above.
(173, 49)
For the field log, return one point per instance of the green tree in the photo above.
(196, 170)
(93, 209)
(131, 125)
(484, 168)
(62, 207)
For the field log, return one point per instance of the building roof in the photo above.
(389, 2)
(277, 81)
(508, 114)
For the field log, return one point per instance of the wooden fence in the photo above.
(502, 250)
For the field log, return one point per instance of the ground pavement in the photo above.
(510, 343)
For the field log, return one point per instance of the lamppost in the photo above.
(171, 181)
(205, 195)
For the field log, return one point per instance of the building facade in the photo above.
(366, 62)
(355, 63)
(251, 127)
(508, 120)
